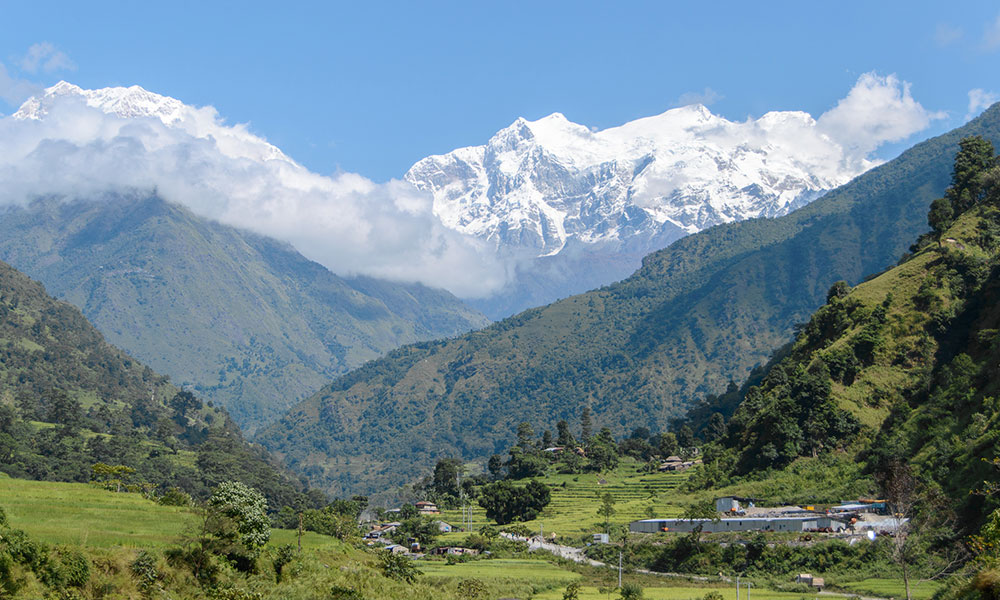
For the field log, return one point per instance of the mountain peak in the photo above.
(126, 102)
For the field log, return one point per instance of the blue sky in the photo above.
(373, 87)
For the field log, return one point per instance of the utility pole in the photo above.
(300, 533)
(619, 570)
(737, 587)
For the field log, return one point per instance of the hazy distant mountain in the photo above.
(247, 321)
(579, 208)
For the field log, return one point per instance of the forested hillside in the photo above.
(69, 400)
(900, 370)
(698, 314)
(244, 320)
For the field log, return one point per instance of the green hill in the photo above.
(68, 400)
(900, 369)
(698, 314)
(244, 320)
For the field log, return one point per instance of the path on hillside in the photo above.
(567, 552)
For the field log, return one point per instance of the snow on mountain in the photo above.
(135, 102)
(536, 185)
(544, 209)
(76, 143)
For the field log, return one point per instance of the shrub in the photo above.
(175, 497)
(284, 555)
(345, 593)
(631, 591)
(471, 589)
(144, 570)
(74, 566)
(397, 566)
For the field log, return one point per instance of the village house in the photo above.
(427, 508)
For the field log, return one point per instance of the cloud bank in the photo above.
(77, 143)
(63, 146)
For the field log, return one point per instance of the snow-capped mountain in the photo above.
(544, 209)
(537, 185)
(135, 102)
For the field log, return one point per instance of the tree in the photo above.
(239, 520)
(525, 434)
(524, 463)
(563, 436)
(940, 216)
(572, 591)
(631, 591)
(111, 475)
(423, 529)
(900, 489)
(607, 510)
(971, 161)
(182, 403)
(685, 438)
(839, 289)
(505, 502)
(586, 425)
(444, 483)
(716, 428)
(666, 444)
(495, 466)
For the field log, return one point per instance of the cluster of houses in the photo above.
(742, 514)
(381, 534)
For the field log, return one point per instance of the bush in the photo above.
(345, 593)
(396, 566)
(631, 591)
(175, 497)
(144, 570)
(284, 555)
(471, 589)
(74, 566)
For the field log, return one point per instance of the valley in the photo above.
(633, 301)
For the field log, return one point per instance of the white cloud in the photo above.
(706, 97)
(980, 100)
(84, 143)
(46, 57)
(877, 110)
(346, 222)
(946, 34)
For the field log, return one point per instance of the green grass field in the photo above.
(534, 571)
(893, 588)
(678, 593)
(576, 498)
(79, 513)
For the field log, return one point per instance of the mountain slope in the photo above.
(900, 369)
(68, 400)
(697, 314)
(245, 320)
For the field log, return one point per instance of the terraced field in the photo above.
(576, 499)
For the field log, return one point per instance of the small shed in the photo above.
(601, 538)
(443, 527)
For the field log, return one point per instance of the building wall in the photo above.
(735, 524)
